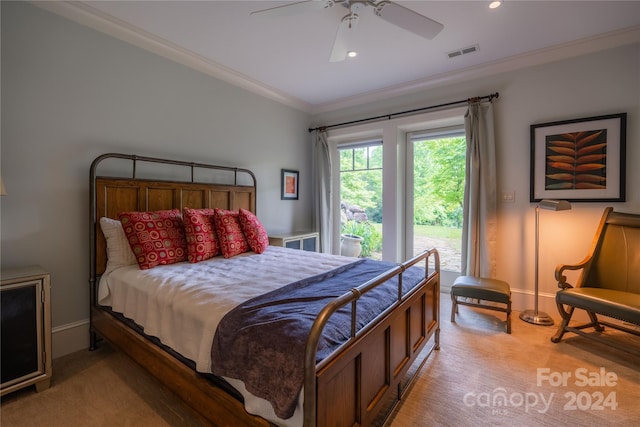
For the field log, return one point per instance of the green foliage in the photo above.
(359, 188)
(372, 237)
(439, 175)
(361, 179)
(439, 178)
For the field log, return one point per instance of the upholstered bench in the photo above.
(481, 289)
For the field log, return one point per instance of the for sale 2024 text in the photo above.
(598, 400)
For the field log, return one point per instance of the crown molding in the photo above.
(84, 14)
(580, 47)
(91, 17)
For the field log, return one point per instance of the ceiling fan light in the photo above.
(352, 54)
(495, 3)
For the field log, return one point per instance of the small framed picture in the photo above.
(290, 184)
(581, 160)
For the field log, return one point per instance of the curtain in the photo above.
(321, 182)
(480, 193)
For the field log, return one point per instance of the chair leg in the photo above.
(594, 319)
(454, 308)
(566, 316)
(509, 316)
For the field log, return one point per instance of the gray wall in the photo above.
(70, 93)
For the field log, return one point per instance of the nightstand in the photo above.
(308, 241)
(25, 325)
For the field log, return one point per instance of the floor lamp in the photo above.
(534, 316)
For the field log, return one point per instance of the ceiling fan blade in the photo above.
(294, 8)
(408, 19)
(343, 38)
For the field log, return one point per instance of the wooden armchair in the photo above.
(609, 282)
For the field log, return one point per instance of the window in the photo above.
(361, 195)
(384, 148)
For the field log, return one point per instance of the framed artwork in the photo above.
(581, 160)
(290, 185)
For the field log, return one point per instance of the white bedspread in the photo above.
(182, 304)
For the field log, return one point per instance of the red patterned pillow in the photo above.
(230, 237)
(202, 242)
(155, 237)
(253, 231)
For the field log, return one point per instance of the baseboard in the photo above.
(525, 300)
(69, 338)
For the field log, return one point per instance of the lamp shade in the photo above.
(554, 205)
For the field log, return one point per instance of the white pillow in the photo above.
(119, 252)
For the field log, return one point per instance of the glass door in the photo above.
(435, 194)
(361, 198)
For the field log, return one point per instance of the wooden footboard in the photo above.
(353, 387)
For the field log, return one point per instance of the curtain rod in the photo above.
(401, 113)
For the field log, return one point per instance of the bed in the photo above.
(356, 380)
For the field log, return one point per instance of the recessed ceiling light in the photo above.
(352, 54)
(495, 3)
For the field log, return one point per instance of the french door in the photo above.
(435, 178)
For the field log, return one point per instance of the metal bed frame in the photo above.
(402, 331)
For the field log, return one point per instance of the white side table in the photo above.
(25, 322)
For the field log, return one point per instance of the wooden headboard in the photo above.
(199, 187)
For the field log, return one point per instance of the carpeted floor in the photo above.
(484, 377)
(480, 377)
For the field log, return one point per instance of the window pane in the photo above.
(360, 158)
(375, 157)
(361, 196)
(346, 160)
(438, 194)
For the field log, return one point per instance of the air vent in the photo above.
(463, 51)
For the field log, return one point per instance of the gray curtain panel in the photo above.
(480, 194)
(322, 198)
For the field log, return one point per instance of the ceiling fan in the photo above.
(389, 11)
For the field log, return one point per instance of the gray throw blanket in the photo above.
(262, 341)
